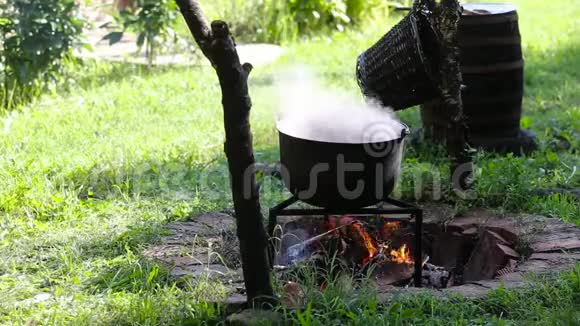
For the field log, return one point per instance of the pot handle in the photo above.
(405, 132)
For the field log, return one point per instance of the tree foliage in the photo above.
(37, 40)
(152, 20)
(318, 14)
(282, 20)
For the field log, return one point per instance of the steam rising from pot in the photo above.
(311, 112)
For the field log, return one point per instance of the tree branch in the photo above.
(197, 24)
(219, 47)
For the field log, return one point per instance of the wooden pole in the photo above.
(217, 44)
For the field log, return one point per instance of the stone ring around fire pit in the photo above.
(544, 246)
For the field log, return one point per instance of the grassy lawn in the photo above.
(90, 177)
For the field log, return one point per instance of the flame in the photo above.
(374, 249)
(367, 241)
(401, 255)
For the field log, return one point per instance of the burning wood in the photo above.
(362, 246)
(384, 250)
(356, 245)
(381, 250)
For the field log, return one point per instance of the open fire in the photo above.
(384, 241)
(377, 248)
(401, 256)
(371, 243)
(381, 243)
(374, 246)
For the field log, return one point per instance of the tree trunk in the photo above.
(219, 47)
(447, 14)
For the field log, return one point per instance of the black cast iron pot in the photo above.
(341, 175)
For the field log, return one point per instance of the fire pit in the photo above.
(469, 254)
(365, 236)
(391, 243)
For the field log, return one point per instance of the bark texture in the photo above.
(446, 20)
(219, 47)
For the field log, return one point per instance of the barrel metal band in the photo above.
(514, 40)
(493, 68)
(490, 19)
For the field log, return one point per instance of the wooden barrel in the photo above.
(493, 73)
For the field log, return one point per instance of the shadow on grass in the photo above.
(132, 274)
(122, 267)
(170, 181)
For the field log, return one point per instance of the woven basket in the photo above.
(396, 71)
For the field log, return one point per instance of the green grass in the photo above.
(546, 301)
(89, 177)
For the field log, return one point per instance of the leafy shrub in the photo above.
(152, 20)
(277, 20)
(316, 15)
(255, 20)
(37, 39)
